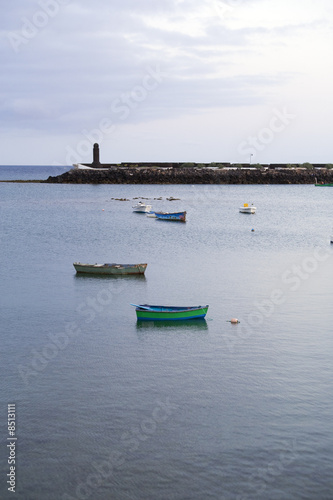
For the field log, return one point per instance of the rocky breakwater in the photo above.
(123, 175)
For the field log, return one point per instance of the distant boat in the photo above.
(172, 216)
(246, 209)
(110, 269)
(141, 207)
(323, 184)
(156, 313)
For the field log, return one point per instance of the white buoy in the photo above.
(234, 320)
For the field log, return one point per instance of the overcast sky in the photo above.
(166, 80)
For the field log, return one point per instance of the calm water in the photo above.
(29, 172)
(110, 409)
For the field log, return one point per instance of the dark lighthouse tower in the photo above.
(96, 162)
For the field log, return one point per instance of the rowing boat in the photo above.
(110, 269)
(156, 313)
(172, 216)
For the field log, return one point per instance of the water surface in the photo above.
(108, 408)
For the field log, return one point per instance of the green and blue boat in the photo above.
(146, 312)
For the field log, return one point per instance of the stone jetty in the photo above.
(193, 175)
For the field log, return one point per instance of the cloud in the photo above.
(65, 63)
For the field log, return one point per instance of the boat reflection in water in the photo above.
(120, 277)
(176, 326)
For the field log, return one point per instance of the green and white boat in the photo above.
(323, 184)
(147, 312)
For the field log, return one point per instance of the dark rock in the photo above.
(130, 175)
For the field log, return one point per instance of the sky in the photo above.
(235, 81)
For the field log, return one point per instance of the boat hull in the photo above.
(110, 269)
(161, 313)
(175, 216)
(247, 210)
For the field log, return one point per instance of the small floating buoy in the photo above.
(252, 230)
(234, 321)
(102, 209)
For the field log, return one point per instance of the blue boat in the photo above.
(173, 216)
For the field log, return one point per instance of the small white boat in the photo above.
(151, 214)
(247, 209)
(141, 207)
(110, 269)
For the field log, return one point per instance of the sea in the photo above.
(95, 405)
